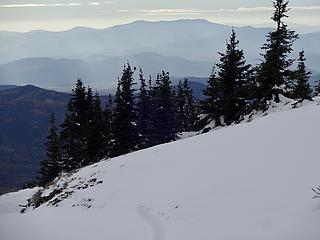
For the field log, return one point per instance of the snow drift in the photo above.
(250, 181)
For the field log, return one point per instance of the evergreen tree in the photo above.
(185, 109)
(302, 90)
(251, 89)
(317, 88)
(89, 106)
(73, 134)
(51, 167)
(212, 105)
(233, 75)
(163, 108)
(143, 110)
(226, 92)
(274, 71)
(95, 132)
(152, 114)
(180, 105)
(107, 128)
(125, 132)
(190, 116)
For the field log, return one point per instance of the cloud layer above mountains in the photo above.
(26, 15)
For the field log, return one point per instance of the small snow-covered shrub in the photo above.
(36, 199)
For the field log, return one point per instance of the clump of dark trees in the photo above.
(134, 119)
(156, 112)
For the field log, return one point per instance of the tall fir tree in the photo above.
(179, 107)
(89, 105)
(95, 132)
(107, 128)
(302, 90)
(185, 108)
(143, 111)
(212, 105)
(163, 109)
(227, 91)
(51, 166)
(73, 134)
(274, 73)
(125, 132)
(190, 116)
(152, 114)
(233, 74)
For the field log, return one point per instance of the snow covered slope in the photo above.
(246, 182)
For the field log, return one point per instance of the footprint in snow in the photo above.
(154, 223)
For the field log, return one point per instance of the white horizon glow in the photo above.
(60, 15)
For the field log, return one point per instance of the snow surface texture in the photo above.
(250, 181)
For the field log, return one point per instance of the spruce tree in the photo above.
(226, 92)
(163, 108)
(89, 105)
(51, 167)
(73, 134)
(125, 132)
(233, 75)
(317, 88)
(274, 73)
(302, 90)
(143, 111)
(189, 106)
(212, 105)
(95, 133)
(185, 109)
(107, 128)
(152, 114)
(180, 108)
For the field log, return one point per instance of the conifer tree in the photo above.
(143, 111)
(125, 132)
(51, 167)
(189, 107)
(233, 75)
(152, 114)
(226, 92)
(274, 73)
(107, 129)
(163, 108)
(317, 88)
(73, 134)
(212, 105)
(95, 132)
(302, 90)
(89, 106)
(185, 109)
(180, 108)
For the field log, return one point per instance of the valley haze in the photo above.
(185, 48)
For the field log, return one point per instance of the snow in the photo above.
(9, 203)
(249, 181)
(185, 135)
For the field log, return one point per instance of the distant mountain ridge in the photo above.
(24, 114)
(182, 47)
(136, 37)
(121, 40)
(6, 87)
(100, 72)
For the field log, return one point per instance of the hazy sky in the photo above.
(25, 15)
